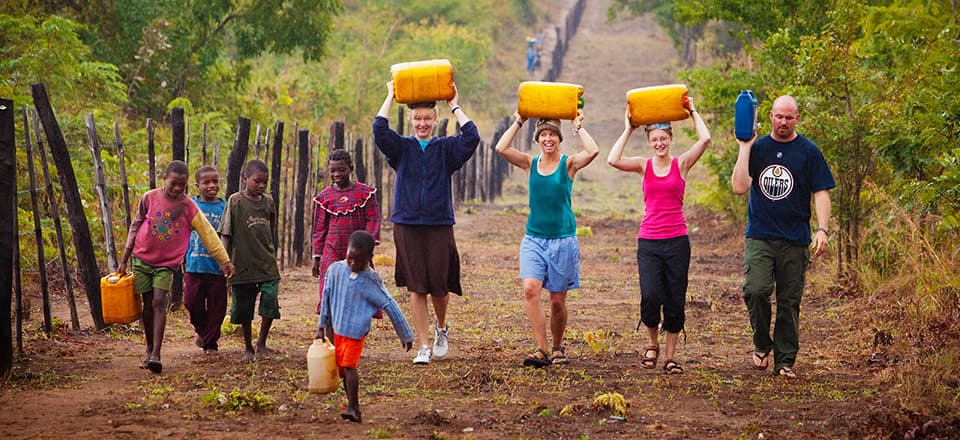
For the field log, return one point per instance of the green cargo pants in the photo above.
(769, 263)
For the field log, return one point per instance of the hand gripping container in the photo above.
(548, 100)
(420, 81)
(322, 368)
(118, 302)
(648, 105)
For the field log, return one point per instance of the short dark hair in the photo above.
(253, 166)
(362, 241)
(176, 167)
(342, 155)
(201, 170)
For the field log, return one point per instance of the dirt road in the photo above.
(84, 385)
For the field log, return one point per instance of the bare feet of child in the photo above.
(352, 414)
(247, 357)
(263, 352)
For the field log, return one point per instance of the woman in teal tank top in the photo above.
(549, 252)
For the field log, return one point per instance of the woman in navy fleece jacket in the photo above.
(427, 259)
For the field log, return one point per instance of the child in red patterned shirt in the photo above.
(342, 208)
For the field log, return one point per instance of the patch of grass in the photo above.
(378, 433)
(584, 231)
(237, 400)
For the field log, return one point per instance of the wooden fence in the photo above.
(297, 165)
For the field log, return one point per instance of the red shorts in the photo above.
(347, 352)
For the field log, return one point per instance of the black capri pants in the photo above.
(663, 266)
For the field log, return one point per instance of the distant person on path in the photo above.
(781, 171)
(351, 293)
(427, 259)
(663, 246)
(533, 56)
(342, 208)
(204, 286)
(549, 251)
(249, 225)
(158, 240)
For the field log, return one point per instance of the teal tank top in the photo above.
(549, 197)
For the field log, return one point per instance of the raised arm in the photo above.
(385, 107)
(387, 140)
(689, 158)
(615, 159)
(454, 104)
(590, 149)
(505, 145)
(741, 180)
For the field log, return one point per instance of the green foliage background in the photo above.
(877, 86)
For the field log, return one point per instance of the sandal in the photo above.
(537, 359)
(672, 367)
(786, 372)
(559, 356)
(760, 361)
(647, 361)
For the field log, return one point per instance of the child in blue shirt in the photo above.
(352, 293)
(205, 288)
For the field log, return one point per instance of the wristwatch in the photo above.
(825, 230)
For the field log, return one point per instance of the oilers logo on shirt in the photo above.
(776, 182)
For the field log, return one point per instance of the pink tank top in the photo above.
(663, 197)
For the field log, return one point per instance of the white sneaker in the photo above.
(423, 356)
(439, 342)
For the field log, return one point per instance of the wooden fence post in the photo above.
(358, 163)
(237, 156)
(83, 245)
(275, 163)
(186, 143)
(177, 133)
(203, 145)
(55, 213)
(123, 174)
(38, 231)
(256, 142)
(101, 186)
(378, 175)
(178, 129)
(8, 218)
(151, 154)
(303, 172)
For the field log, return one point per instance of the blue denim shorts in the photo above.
(555, 261)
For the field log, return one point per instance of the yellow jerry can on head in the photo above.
(118, 302)
(549, 100)
(420, 81)
(648, 105)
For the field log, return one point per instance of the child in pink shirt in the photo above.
(158, 240)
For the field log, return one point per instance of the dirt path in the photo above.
(84, 385)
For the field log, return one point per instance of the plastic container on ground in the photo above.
(745, 116)
(648, 105)
(421, 81)
(549, 100)
(322, 368)
(118, 302)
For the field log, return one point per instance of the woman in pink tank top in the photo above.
(663, 248)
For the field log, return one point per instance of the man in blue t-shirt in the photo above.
(781, 171)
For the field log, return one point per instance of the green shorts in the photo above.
(245, 298)
(147, 277)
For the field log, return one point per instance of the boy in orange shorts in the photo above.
(352, 293)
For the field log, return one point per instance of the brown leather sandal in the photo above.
(649, 362)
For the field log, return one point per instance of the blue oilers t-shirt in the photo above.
(423, 144)
(198, 257)
(785, 175)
